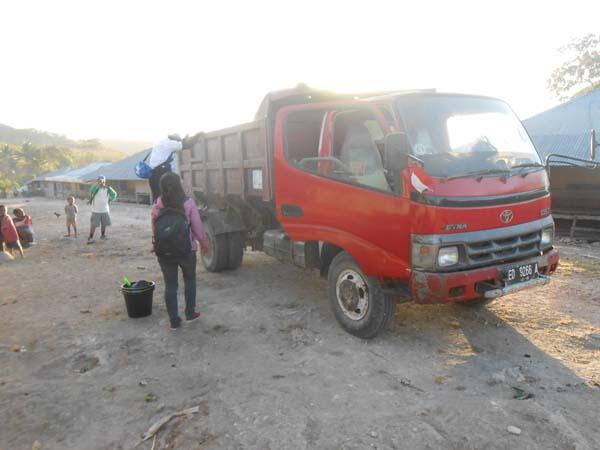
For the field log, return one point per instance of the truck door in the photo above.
(331, 186)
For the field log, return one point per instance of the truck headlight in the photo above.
(423, 255)
(547, 237)
(447, 256)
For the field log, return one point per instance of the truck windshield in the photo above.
(461, 135)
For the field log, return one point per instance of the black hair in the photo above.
(171, 191)
(16, 211)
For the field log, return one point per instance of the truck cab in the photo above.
(443, 195)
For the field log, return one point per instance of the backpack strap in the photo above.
(93, 191)
(166, 164)
(168, 161)
(165, 210)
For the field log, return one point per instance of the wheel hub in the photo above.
(349, 294)
(352, 294)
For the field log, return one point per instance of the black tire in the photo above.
(216, 259)
(236, 250)
(364, 320)
(477, 303)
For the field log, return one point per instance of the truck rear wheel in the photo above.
(215, 260)
(236, 250)
(357, 301)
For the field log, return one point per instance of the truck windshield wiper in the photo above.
(518, 166)
(480, 174)
(526, 166)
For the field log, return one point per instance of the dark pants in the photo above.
(170, 271)
(25, 235)
(154, 180)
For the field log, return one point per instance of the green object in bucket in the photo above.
(126, 282)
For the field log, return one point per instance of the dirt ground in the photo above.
(268, 365)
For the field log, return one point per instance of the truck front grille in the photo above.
(505, 249)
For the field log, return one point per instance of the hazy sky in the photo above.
(140, 70)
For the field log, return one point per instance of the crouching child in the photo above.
(10, 237)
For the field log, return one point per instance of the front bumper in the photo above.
(452, 287)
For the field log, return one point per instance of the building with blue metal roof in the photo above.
(566, 128)
(120, 175)
(122, 170)
(43, 176)
(63, 182)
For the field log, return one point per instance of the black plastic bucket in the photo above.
(138, 298)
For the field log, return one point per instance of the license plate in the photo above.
(522, 272)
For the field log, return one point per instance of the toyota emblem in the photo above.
(506, 216)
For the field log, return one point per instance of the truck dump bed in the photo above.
(234, 161)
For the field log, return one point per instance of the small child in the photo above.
(9, 233)
(71, 213)
(23, 223)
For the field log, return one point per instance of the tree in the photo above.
(19, 164)
(580, 73)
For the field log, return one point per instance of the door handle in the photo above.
(289, 210)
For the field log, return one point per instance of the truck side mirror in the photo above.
(395, 151)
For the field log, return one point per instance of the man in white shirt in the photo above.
(100, 197)
(162, 160)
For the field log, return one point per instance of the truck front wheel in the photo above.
(357, 301)
(215, 259)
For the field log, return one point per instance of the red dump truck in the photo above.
(392, 196)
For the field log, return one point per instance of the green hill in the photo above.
(10, 135)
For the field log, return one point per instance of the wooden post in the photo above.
(240, 137)
(573, 226)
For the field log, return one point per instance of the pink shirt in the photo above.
(9, 231)
(191, 211)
